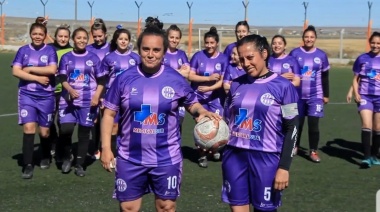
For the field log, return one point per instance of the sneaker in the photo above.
(366, 163)
(27, 173)
(216, 156)
(314, 157)
(45, 163)
(202, 162)
(374, 161)
(96, 155)
(79, 171)
(66, 166)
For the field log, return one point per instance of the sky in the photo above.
(340, 13)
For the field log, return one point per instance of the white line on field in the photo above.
(8, 114)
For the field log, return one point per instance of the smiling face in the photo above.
(152, 53)
(63, 37)
(235, 56)
(38, 36)
(375, 44)
(278, 46)
(80, 40)
(253, 61)
(241, 32)
(309, 39)
(122, 42)
(211, 45)
(174, 38)
(99, 37)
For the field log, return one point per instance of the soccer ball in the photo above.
(211, 134)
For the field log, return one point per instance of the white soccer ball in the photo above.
(211, 134)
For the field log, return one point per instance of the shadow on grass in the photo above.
(190, 154)
(346, 150)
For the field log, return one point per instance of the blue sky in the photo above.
(260, 12)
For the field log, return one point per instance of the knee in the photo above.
(29, 128)
(44, 133)
(166, 206)
(125, 207)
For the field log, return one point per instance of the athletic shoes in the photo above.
(374, 160)
(216, 156)
(27, 173)
(66, 166)
(79, 171)
(314, 157)
(202, 162)
(366, 163)
(45, 163)
(96, 155)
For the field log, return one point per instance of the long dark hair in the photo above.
(116, 35)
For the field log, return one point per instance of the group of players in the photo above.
(262, 92)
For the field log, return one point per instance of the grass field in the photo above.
(336, 184)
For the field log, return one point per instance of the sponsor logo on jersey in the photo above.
(146, 117)
(79, 79)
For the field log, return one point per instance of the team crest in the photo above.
(121, 185)
(24, 113)
(180, 61)
(168, 92)
(286, 65)
(363, 102)
(218, 66)
(44, 58)
(267, 99)
(89, 63)
(317, 60)
(132, 62)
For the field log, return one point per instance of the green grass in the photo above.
(336, 184)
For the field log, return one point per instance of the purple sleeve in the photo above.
(227, 76)
(184, 58)
(295, 66)
(290, 96)
(53, 58)
(225, 65)
(113, 95)
(99, 72)
(194, 63)
(357, 66)
(136, 57)
(18, 58)
(104, 67)
(325, 63)
(188, 93)
(62, 69)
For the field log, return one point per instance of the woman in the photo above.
(207, 68)
(61, 45)
(313, 89)
(115, 63)
(177, 59)
(233, 71)
(149, 154)
(283, 64)
(241, 30)
(365, 86)
(82, 81)
(261, 109)
(35, 65)
(101, 48)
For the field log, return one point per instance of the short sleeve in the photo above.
(227, 76)
(325, 63)
(357, 66)
(105, 67)
(136, 57)
(194, 63)
(99, 72)
(53, 58)
(113, 95)
(63, 64)
(295, 67)
(17, 61)
(184, 58)
(225, 65)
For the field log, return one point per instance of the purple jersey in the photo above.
(28, 56)
(82, 70)
(101, 51)
(116, 63)
(148, 107)
(311, 64)
(367, 67)
(176, 59)
(203, 65)
(228, 50)
(232, 72)
(284, 64)
(253, 109)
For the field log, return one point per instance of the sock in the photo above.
(375, 143)
(45, 145)
(366, 142)
(114, 145)
(83, 141)
(300, 128)
(313, 123)
(28, 148)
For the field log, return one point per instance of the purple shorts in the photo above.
(35, 109)
(311, 107)
(248, 177)
(213, 106)
(84, 116)
(369, 102)
(132, 181)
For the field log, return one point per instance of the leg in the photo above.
(131, 206)
(95, 132)
(165, 205)
(313, 124)
(83, 142)
(375, 139)
(45, 147)
(28, 149)
(366, 108)
(65, 141)
(302, 114)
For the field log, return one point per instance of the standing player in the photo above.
(314, 87)
(101, 48)
(283, 64)
(35, 65)
(149, 155)
(233, 71)
(365, 86)
(115, 63)
(62, 46)
(262, 112)
(241, 30)
(83, 81)
(206, 76)
(177, 59)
